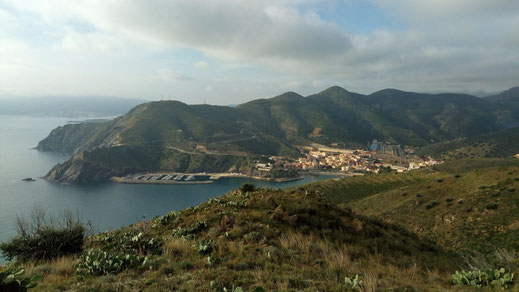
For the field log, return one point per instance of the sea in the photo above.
(104, 205)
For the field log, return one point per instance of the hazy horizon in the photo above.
(243, 99)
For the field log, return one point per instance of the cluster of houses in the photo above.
(349, 161)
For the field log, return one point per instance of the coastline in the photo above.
(122, 180)
(317, 173)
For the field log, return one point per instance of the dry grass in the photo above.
(370, 281)
(57, 274)
(236, 248)
(175, 247)
(338, 260)
(310, 246)
(63, 266)
(295, 240)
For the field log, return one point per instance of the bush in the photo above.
(491, 206)
(12, 279)
(204, 247)
(45, 237)
(192, 231)
(253, 236)
(353, 283)
(247, 188)
(213, 260)
(131, 242)
(483, 278)
(431, 205)
(186, 265)
(96, 262)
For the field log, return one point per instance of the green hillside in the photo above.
(463, 204)
(507, 103)
(273, 126)
(100, 164)
(280, 240)
(504, 143)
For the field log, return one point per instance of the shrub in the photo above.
(12, 279)
(131, 242)
(246, 187)
(96, 263)
(204, 247)
(213, 284)
(213, 261)
(491, 206)
(483, 278)
(186, 265)
(45, 237)
(353, 283)
(431, 205)
(192, 231)
(166, 219)
(253, 236)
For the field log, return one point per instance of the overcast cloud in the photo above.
(231, 51)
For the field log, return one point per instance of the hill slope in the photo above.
(267, 127)
(280, 240)
(507, 103)
(464, 204)
(502, 143)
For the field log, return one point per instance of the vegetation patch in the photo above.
(486, 278)
(42, 237)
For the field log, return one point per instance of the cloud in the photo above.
(201, 64)
(258, 47)
(231, 29)
(171, 75)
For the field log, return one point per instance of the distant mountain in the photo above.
(273, 126)
(507, 104)
(338, 115)
(95, 106)
(507, 96)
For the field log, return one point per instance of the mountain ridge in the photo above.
(266, 127)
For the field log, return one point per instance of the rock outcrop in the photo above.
(77, 170)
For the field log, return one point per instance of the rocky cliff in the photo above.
(100, 164)
(73, 138)
(77, 170)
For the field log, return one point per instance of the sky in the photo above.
(232, 51)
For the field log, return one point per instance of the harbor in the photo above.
(188, 178)
(166, 178)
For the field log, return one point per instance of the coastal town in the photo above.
(378, 157)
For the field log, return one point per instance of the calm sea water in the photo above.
(106, 205)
